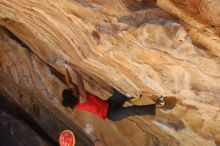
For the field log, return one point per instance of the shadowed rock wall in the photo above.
(23, 86)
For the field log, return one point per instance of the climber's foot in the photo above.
(132, 99)
(160, 101)
(166, 103)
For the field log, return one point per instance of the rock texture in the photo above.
(26, 83)
(202, 18)
(133, 46)
(16, 133)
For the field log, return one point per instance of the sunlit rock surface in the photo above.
(132, 46)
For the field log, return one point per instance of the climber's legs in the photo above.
(117, 113)
(118, 98)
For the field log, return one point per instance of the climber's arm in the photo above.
(70, 83)
(68, 79)
(82, 91)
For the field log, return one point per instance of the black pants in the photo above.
(117, 112)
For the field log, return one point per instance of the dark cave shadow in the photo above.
(15, 111)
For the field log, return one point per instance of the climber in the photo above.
(112, 108)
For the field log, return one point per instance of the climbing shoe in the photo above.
(161, 101)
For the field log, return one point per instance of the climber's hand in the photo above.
(65, 64)
(62, 62)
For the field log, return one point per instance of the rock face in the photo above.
(132, 46)
(13, 132)
(201, 18)
(26, 83)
